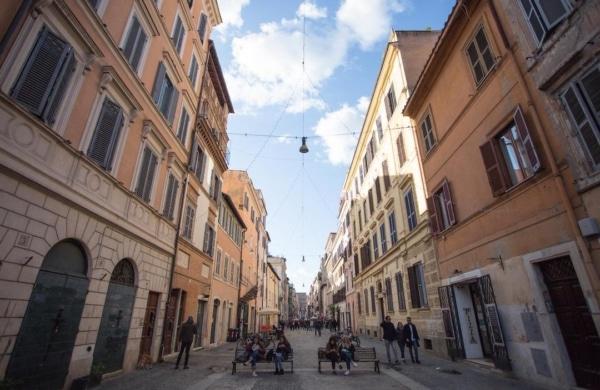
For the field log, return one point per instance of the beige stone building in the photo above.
(98, 101)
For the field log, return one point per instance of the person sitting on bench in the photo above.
(256, 351)
(282, 349)
(347, 353)
(332, 353)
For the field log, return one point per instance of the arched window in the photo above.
(123, 273)
(66, 257)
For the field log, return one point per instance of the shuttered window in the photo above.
(209, 240)
(480, 56)
(510, 157)
(164, 94)
(388, 294)
(382, 235)
(356, 269)
(441, 209)
(359, 300)
(393, 231)
(135, 43)
(371, 204)
(188, 222)
(379, 128)
(215, 186)
(543, 15)
(373, 309)
(386, 176)
(198, 162)
(202, 27)
(378, 189)
(170, 197)
(43, 80)
(427, 133)
(106, 134)
(582, 102)
(218, 262)
(145, 178)
(414, 287)
(184, 122)
(390, 102)
(366, 295)
(178, 34)
(400, 291)
(193, 71)
(375, 246)
(411, 213)
(400, 147)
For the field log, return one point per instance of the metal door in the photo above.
(149, 324)
(575, 321)
(42, 351)
(449, 318)
(170, 325)
(213, 326)
(200, 323)
(501, 359)
(116, 318)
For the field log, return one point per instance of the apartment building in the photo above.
(507, 135)
(279, 264)
(394, 267)
(97, 107)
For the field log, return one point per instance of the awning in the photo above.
(250, 295)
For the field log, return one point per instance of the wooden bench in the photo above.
(361, 354)
(235, 362)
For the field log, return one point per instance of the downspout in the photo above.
(239, 319)
(556, 174)
(256, 327)
(181, 203)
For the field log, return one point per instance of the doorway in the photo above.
(116, 317)
(574, 319)
(170, 324)
(42, 351)
(213, 326)
(149, 324)
(381, 312)
(480, 321)
(200, 322)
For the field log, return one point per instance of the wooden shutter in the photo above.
(158, 83)
(450, 326)
(501, 359)
(153, 162)
(172, 105)
(388, 110)
(493, 168)
(400, 146)
(170, 197)
(400, 291)
(106, 134)
(433, 215)
(448, 204)
(41, 72)
(414, 287)
(366, 294)
(132, 37)
(143, 173)
(140, 43)
(60, 86)
(586, 128)
(202, 27)
(526, 139)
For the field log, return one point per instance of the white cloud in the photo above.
(310, 11)
(346, 119)
(284, 139)
(231, 13)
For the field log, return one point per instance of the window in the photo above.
(362, 174)
(198, 162)
(188, 222)
(225, 267)
(400, 143)
(366, 294)
(388, 294)
(379, 128)
(193, 75)
(510, 157)
(218, 262)
(390, 102)
(582, 101)
(383, 239)
(358, 298)
(543, 15)
(246, 201)
(365, 211)
(202, 27)
(400, 291)
(170, 197)
(356, 269)
(94, 4)
(252, 214)
(365, 254)
(416, 281)
(373, 310)
(106, 134)
(209, 241)
(145, 178)
(190, 3)
(441, 209)
(178, 33)
(427, 133)
(184, 122)
(164, 94)
(44, 78)
(377, 190)
(371, 205)
(411, 213)
(135, 43)
(386, 176)
(375, 246)
(360, 220)
(215, 187)
(480, 56)
(393, 231)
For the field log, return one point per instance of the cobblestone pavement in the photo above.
(211, 369)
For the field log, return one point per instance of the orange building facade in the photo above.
(519, 274)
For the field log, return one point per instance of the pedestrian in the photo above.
(282, 350)
(346, 351)
(401, 339)
(332, 353)
(389, 338)
(318, 326)
(188, 330)
(256, 351)
(412, 340)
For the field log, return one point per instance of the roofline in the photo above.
(234, 209)
(274, 272)
(215, 5)
(213, 53)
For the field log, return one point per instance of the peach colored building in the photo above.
(98, 101)
(519, 271)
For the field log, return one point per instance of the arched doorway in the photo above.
(116, 317)
(213, 327)
(42, 352)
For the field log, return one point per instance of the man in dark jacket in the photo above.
(188, 330)
(389, 338)
(412, 340)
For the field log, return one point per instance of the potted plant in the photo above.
(96, 374)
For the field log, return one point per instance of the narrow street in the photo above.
(211, 369)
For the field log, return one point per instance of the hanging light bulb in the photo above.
(303, 147)
(303, 259)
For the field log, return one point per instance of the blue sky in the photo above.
(260, 45)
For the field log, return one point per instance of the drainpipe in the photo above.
(238, 318)
(181, 203)
(556, 174)
(256, 327)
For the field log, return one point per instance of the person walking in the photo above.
(412, 340)
(389, 338)
(318, 326)
(401, 339)
(188, 330)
